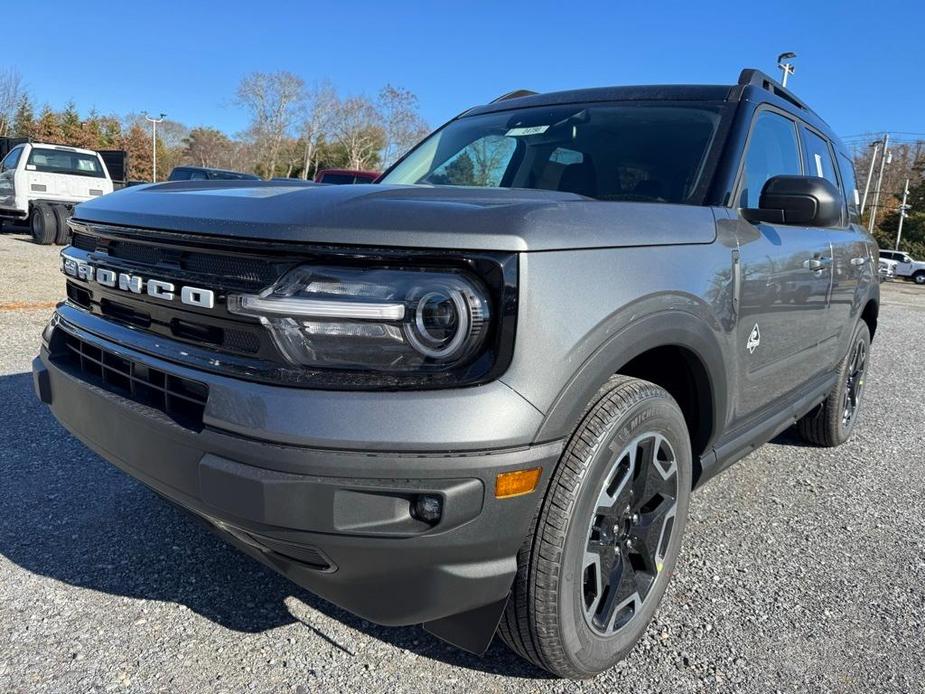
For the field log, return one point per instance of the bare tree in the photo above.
(12, 91)
(321, 105)
(357, 129)
(402, 124)
(272, 99)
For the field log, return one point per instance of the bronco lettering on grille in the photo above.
(159, 289)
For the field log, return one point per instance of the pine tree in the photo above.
(24, 120)
(70, 124)
(48, 127)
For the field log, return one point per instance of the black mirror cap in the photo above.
(803, 200)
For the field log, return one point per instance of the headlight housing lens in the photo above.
(372, 318)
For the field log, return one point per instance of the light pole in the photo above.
(154, 122)
(786, 69)
(885, 159)
(870, 175)
(902, 214)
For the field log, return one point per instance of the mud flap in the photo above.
(471, 631)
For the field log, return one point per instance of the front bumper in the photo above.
(334, 519)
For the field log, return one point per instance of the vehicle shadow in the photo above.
(791, 437)
(67, 514)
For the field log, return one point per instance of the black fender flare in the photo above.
(669, 327)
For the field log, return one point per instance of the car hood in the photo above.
(405, 216)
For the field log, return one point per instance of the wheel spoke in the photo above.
(650, 532)
(621, 587)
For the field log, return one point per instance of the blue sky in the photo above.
(860, 64)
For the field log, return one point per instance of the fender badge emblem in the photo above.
(754, 339)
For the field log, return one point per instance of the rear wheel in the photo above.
(43, 225)
(831, 423)
(63, 233)
(607, 535)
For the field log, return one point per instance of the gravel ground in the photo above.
(803, 569)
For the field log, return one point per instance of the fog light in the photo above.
(428, 508)
(518, 482)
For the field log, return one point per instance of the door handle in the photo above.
(858, 261)
(818, 263)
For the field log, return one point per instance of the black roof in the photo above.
(752, 85)
(671, 92)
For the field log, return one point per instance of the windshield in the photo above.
(62, 161)
(644, 152)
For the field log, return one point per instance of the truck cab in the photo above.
(42, 182)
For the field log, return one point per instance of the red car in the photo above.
(342, 176)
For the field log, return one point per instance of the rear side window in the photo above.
(179, 175)
(819, 160)
(62, 161)
(851, 187)
(772, 151)
(11, 160)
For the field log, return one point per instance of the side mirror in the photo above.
(799, 200)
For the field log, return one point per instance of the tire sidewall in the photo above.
(589, 651)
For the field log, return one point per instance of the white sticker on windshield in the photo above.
(532, 130)
(818, 166)
(30, 167)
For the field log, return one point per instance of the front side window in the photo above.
(648, 152)
(11, 160)
(772, 151)
(62, 161)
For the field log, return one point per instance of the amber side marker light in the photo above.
(516, 483)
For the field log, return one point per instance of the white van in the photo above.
(42, 183)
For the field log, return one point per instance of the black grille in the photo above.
(181, 399)
(84, 242)
(136, 252)
(241, 269)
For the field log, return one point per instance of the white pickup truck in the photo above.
(904, 266)
(42, 183)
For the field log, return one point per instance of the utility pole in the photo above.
(154, 122)
(870, 175)
(884, 160)
(786, 69)
(902, 214)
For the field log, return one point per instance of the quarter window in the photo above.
(772, 151)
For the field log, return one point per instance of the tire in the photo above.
(557, 615)
(44, 225)
(63, 233)
(919, 277)
(832, 422)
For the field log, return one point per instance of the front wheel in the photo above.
(831, 423)
(919, 277)
(607, 535)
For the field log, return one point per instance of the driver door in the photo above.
(786, 278)
(7, 178)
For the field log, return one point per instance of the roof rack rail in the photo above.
(517, 93)
(750, 76)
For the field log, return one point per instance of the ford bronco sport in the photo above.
(477, 395)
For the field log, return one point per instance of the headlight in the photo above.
(372, 318)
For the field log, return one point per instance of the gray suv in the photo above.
(478, 394)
